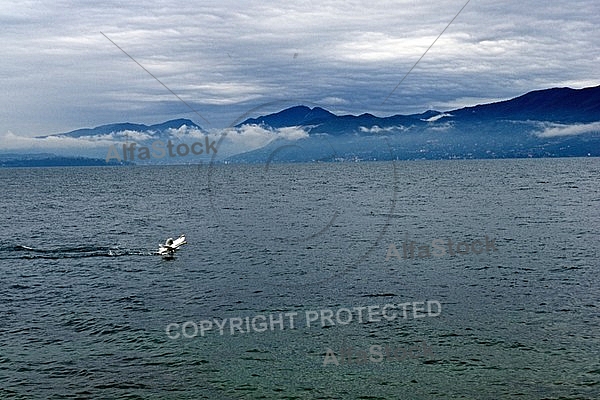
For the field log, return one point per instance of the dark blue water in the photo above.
(84, 302)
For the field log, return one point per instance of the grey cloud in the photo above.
(225, 58)
(554, 130)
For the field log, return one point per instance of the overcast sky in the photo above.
(229, 58)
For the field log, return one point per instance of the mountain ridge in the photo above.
(126, 126)
(562, 104)
(555, 122)
(552, 105)
(556, 104)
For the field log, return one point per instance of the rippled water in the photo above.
(84, 302)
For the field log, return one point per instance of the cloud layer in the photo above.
(228, 141)
(556, 130)
(224, 58)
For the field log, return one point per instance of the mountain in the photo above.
(157, 129)
(557, 105)
(116, 144)
(323, 121)
(558, 122)
(294, 116)
(561, 105)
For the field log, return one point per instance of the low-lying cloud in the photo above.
(230, 141)
(252, 137)
(376, 129)
(557, 130)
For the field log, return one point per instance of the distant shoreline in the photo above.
(58, 161)
(97, 162)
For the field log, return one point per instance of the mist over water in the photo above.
(85, 302)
